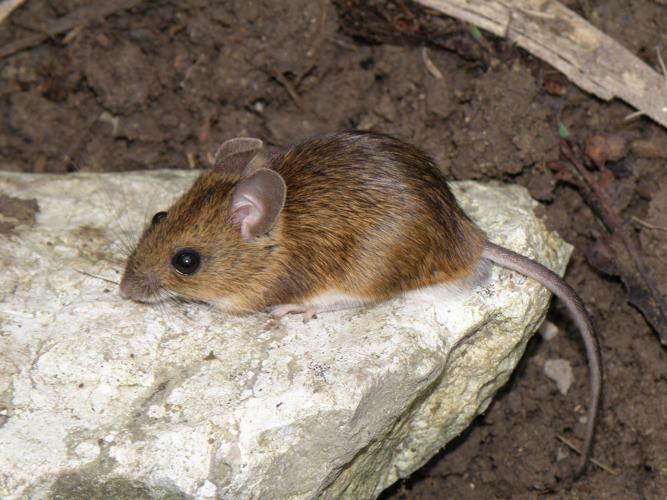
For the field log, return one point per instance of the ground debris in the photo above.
(405, 23)
(616, 252)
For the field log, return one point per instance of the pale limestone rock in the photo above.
(100, 394)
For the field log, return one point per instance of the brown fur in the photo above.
(359, 219)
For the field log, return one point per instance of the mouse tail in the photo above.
(554, 283)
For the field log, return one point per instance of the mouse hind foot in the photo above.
(327, 302)
(283, 310)
(309, 312)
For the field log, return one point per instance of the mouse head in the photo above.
(216, 235)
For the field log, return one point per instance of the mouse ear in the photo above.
(234, 155)
(257, 202)
(237, 145)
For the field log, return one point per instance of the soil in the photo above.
(161, 84)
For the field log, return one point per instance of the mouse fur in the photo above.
(370, 245)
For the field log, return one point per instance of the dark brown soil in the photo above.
(162, 84)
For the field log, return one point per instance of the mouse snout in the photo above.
(141, 287)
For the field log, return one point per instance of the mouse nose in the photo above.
(124, 289)
(141, 287)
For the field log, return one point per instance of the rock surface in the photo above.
(103, 396)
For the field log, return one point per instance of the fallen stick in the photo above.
(548, 30)
(574, 448)
(642, 290)
(7, 7)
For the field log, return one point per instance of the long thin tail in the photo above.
(516, 262)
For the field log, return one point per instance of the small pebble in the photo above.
(560, 371)
(548, 330)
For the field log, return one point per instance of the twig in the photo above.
(288, 87)
(632, 116)
(588, 57)
(604, 206)
(190, 70)
(432, 68)
(595, 461)
(81, 16)
(7, 7)
(648, 225)
(91, 275)
(73, 33)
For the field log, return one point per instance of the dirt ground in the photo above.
(161, 84)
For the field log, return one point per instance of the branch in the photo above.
(548, 30)
(7, 7)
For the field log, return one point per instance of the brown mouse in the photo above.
(339, 220)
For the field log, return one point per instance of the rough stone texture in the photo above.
(99, 396)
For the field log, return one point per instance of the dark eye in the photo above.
(186, 261)
(158, 217)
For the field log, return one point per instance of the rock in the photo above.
(560, 371)
(103, 396)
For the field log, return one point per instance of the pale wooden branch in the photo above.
(7, 7)
(555, 34)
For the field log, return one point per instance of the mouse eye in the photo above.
(186, 261)
(158, 217)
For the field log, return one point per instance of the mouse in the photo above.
(339, 220)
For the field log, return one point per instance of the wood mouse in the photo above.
(339, 220)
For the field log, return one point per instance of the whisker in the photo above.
(169, 298)
(91, 275)
(161, 306)
(123, 237)
(117, 238)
